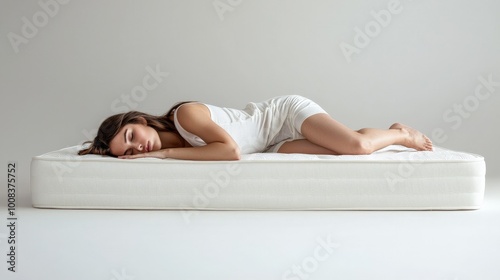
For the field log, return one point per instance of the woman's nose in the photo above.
(139, 147)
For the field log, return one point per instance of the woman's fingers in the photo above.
(130, 156)
(156, 154)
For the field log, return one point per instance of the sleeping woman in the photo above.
(283, 124)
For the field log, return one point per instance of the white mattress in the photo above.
(394, 178)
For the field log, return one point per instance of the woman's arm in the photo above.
(195, 118)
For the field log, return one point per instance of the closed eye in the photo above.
(128, 151)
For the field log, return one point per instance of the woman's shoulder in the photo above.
(191, 110)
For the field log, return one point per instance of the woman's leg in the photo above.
(322, 130)
(304, 146)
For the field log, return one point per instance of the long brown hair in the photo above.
(113, 124)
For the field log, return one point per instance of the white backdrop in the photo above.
(66, 65)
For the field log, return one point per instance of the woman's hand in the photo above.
(157, 154)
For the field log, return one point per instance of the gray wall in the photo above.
(65, 66)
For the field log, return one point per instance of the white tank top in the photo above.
(254, 128)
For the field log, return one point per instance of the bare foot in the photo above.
(416, 139)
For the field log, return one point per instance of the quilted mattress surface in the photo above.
(393, 178)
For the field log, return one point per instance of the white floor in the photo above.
(146, 245)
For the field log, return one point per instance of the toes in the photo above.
(427, 143)
(428, 146)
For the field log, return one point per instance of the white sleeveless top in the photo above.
(258, 126)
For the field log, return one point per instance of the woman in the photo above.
(284, 124)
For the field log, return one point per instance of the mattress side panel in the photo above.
(257, 186)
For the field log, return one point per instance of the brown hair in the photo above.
(112, 125)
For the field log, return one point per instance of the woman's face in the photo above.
(135, 139)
